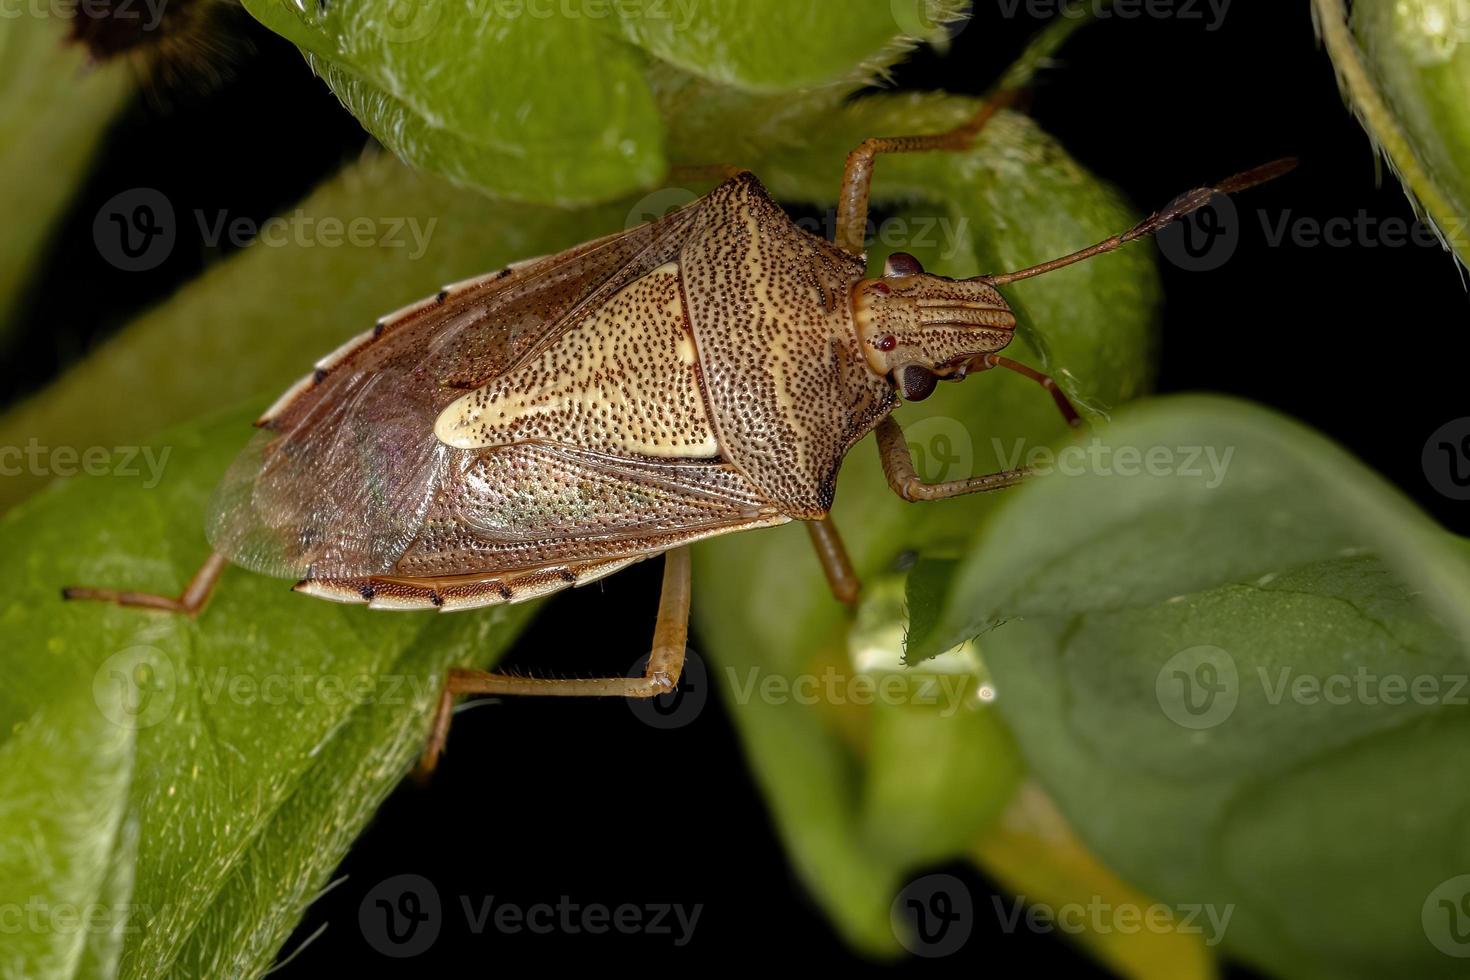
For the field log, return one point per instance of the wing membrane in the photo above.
(533, 505)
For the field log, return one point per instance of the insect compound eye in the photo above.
(902, 264)
(916, 383)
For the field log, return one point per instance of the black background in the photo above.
(540, 799)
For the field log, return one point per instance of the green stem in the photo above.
(1377, 117)
(1040, 50)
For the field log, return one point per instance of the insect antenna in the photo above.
(1184, 205)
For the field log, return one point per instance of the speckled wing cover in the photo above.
(347, 479)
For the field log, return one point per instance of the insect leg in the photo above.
(857, 176)
(988, 361)
(898, 467)
(188, 602)
(833, 555)
(665, 664)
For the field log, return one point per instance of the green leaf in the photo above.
(251, 744)
(1214, 675)
(798, 140)
(525, 101)
(784, 45)
(64, 776)
(469, 97)
(832, 773)
(55, 114)
(1404, 66)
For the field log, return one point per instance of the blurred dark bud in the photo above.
(171, 43)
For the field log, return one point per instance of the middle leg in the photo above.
(665, 664)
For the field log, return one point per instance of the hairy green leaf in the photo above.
(784, 45)
(64, 777)
(523, 100)
(553, 103)
(249, 745)
(1404, 66)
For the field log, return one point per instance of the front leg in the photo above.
(1048, 384)
(857, 175)
(898, 467)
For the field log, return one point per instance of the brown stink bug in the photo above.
(548, 424)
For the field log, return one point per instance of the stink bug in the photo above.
(548, 424)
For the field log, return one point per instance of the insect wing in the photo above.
(339, 481)
(342, 493)
(536, 505)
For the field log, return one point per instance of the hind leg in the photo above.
(188, 603)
